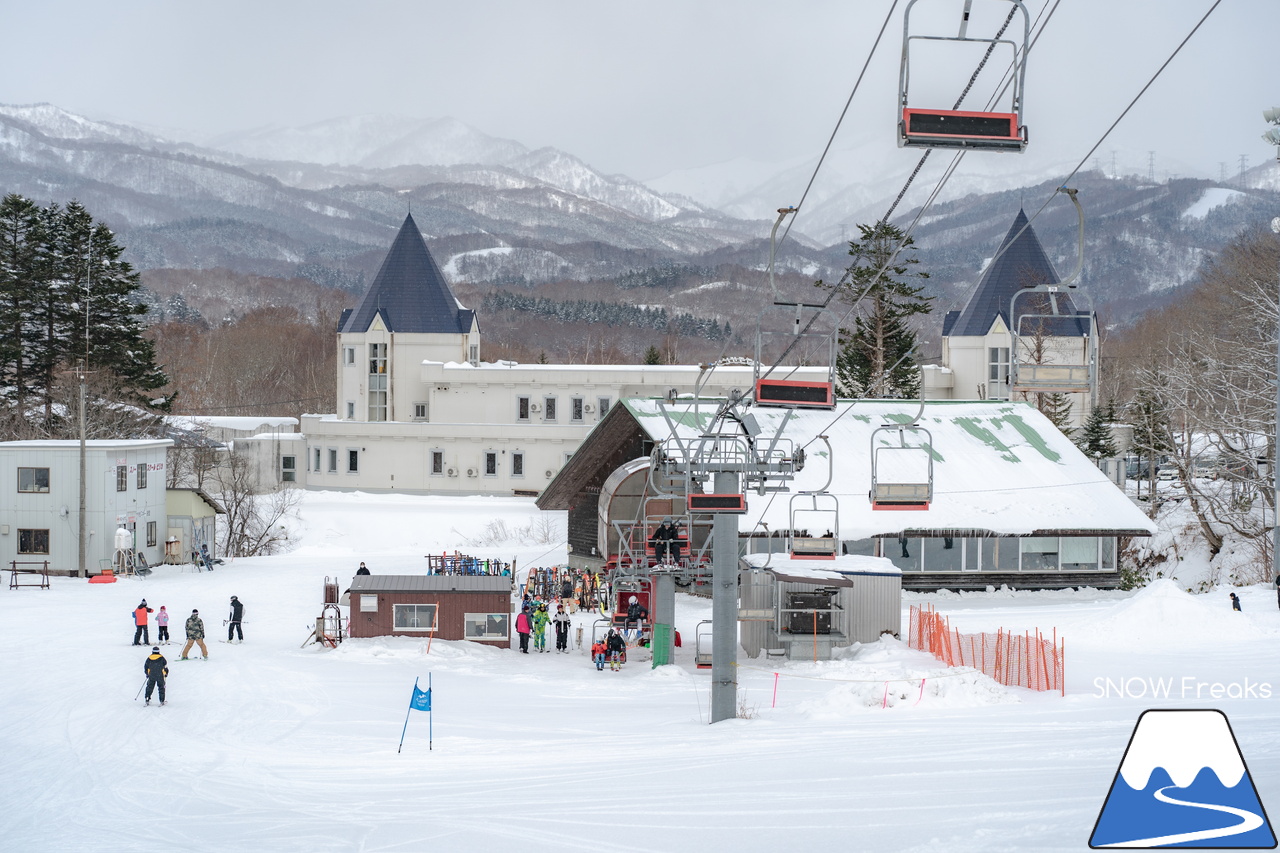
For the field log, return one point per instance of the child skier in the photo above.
(616, 647)
(562, 630)
(598, 651)
(162, 626)
(157, 670)
(524, 626)
(141, 633)
(540, 620)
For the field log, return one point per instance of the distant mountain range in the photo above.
(323, 202)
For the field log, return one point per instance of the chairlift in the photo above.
(967, 129)
(901, 473)
(1053, 315)
(823, 507)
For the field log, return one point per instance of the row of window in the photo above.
(548, 409)
(36, 541)
(37, 479)
(378, 356)
(993, 554)
(423, 617)
(288, 464)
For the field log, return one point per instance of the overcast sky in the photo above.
(643, 88)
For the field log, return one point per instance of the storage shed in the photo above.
(804, 612)
(449, 607)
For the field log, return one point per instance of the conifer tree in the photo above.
(1095, 439)
(1057, 408)
(20, 241)
(652, 355)
(874, 358)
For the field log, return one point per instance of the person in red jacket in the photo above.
(524, 627)
(140, 630)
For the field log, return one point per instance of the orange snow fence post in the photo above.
(1028, 660)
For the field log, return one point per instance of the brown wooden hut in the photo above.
(450, 607)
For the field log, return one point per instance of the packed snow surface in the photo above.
(273, 745)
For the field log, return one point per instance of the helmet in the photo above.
(632, 601)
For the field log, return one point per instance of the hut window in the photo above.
(151, 534)
(33, 541)
(122, 478)
(1080, 553)
(413, 617)
(437, 462)
(33, 479)
(142, 475)
(289, 469)
(368, 604)
(1040, 552)
(485, 626)
(517, 464)
(575, 409)
(490, 464)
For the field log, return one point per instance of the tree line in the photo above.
(607, 313)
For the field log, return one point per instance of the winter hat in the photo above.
(193, 612)
(233, 598)
(144, 603)
(155, 649)
(162, 607)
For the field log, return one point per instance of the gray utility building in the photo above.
(39, 512)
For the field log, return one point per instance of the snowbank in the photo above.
(1162, 612)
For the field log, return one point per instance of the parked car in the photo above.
(1167, 473)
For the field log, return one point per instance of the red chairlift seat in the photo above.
(961, 129)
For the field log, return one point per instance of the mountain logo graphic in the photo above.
(1183, 783)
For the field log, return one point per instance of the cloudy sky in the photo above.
(644, 88)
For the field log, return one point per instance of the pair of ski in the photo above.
(148, 702)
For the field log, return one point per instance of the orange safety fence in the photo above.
(1015, 660)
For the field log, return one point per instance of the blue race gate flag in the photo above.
(421, 701)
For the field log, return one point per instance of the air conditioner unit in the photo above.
(534, 407)
(549, 474)
(453, 472)
(471, 472)
(587, 407)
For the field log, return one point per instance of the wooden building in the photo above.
(448, 607)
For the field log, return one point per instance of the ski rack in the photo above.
(1028, 332)
(964, 129)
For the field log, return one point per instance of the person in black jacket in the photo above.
(665, 542)
(1235, 601)
(616, 646)
(233, 626)
(157, 670)
(363, 570)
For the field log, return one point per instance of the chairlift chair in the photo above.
(826, 508)
(968, 129)
(901, 473)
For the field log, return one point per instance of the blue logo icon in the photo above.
(1183, 783)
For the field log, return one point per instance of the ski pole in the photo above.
(140, 689)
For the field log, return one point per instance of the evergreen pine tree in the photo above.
(874, 358)
(652, 355)
(1095, 439)
(1057, 408)
(20, 241)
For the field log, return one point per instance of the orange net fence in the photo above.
(1015, 660)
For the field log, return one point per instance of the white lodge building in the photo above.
(418, 411)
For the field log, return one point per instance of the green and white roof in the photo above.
(998, 467)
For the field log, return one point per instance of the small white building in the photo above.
(40, 517)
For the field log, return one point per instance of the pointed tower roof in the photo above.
(410, 292)
(1020, 262)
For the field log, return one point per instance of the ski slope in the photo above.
(272, 746)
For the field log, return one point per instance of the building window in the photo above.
(491, 464)
(485, 626)
(517, 464)
(333, 461)
(353, 461)
(575, 410)
(437, 462)
(122, 478)
(142, 475)
(351, 410)
(567, 457)
(377, 382)
(349, 355)
(288, 469)
(33, 480)
(522, 408)
(413, 617)
(316, 467)
(602, 405)
(33, 541)
(474, 354)
(997, 373)
(151, 534)
(548, 408)
(420, 411)
(368, 604)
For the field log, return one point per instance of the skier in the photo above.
(162, 626)
(237, 613)
(141, 633)
(157, 670)
(524, 625)
(598, 651)
(562, 630)
(195, 634)
(637, 614)
(1235, 602)
(662, 539)
(363, 570)
(540, 620)
(616, 647)
(1278, 590)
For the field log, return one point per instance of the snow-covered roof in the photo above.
(998, 466)
(836, 570)
(236, 422)
(99, 443)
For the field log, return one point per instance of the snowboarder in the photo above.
(562, 629)
(540, 620)
(157, 670)
(363, 570)
(195, 634)
(616, 647)
(598, 651)
(162, 626)
(141, 633)
(237, 613)
(1235, 602)
(524, 626)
